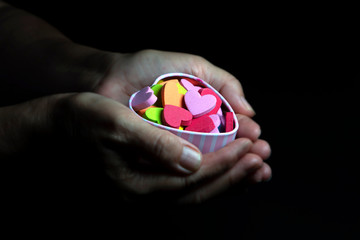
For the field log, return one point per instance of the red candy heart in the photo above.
(229, 122)
(201, 124)
(175, 117)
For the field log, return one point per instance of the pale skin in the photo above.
(89, 89)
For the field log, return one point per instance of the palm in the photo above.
(131, 72)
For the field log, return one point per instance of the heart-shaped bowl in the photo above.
(206, 142)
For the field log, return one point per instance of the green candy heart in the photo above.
(157, 92)
(154, 114)
(156, 88)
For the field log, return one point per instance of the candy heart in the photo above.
(154, 114)
(189, 86)
(201, 124)
(210, 138)
(175, 117)
(229, 122)
(216, 120)
(199, 105)
(157, 92)
(215, 130)
(181, 89)
(142, 111)
(221, 116)
(193, 82)
(170, 95)
(208, 91)
(143, 99)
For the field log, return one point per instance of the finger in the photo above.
(261, 148)
(214, 164)
(130, 133)
(248, 128)
(230, 88)
(165, 148)
(263, 174)
(248, 164)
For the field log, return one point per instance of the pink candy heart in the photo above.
(143, 99)
(199, 105)
(188, 85)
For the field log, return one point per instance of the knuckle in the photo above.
(159, 146)
(132, 183)
(80, 98)
(253, 161)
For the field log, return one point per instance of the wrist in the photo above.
(74, 68)
(27, 127)
(83, 67)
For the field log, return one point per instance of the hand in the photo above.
(132, 72)
(142, 159)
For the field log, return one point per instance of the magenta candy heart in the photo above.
(143, 99)
(201, 124)
(199, 105)
(175, 116)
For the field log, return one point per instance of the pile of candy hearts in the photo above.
(183, 104)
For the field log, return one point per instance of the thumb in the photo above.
(167, 149)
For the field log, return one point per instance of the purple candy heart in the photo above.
(143, 99)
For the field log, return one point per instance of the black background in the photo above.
(299, 67)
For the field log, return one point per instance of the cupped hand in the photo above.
(143, 160)
(131, 72)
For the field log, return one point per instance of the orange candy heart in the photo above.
(170, 95)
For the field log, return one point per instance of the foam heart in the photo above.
(175, 117)
(181, 89)
(216, 119)
(199, 105)
(157, 92)
(202, 124)
(170, 94)
(142, 111)
(208, 91)
(154, 114)
(143, 99)
(229, 122)
(209, 139)
(189, 86)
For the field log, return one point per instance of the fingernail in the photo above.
(246, 105)
(190, 159)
